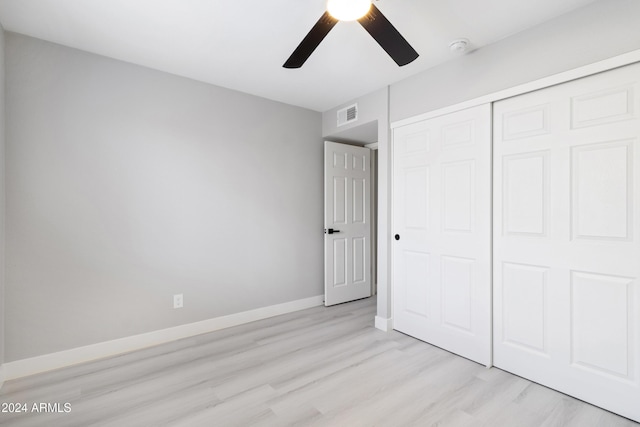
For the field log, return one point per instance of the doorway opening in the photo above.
(366, 135)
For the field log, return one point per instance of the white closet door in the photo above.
(441, 217)
(566, 238)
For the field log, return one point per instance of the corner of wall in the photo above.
(384, 324)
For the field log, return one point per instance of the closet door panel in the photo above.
(441, 215)
(566, 245)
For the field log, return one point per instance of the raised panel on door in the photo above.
(458, 201)
(347, 223)
(339, 199)
(524, 307)
(416, 197)
(339, 260)
(414, 299)
(525, 194)
(602, 106)
(602, 338)
(441, 211)
(566, 244)
(457, 278)
(602, 190)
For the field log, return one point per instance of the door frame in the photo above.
(352, 290)
(374, 216)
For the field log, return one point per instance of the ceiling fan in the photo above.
(369, 16)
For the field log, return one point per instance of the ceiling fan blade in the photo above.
(311, 41)
(388, 37)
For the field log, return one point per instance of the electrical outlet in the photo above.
(178, 301)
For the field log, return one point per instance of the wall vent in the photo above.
(348, 115)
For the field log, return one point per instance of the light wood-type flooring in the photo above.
(317, 367)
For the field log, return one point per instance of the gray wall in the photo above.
(598, 31)
(2, 193)
(127, 185)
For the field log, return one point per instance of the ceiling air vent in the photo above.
(348, 115)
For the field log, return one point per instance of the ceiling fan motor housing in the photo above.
(348, 10)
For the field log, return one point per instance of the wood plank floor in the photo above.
(317, 367)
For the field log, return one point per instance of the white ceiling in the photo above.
(242, 44)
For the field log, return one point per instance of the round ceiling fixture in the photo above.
(348, 10)
(459, 46)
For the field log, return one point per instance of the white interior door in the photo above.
(566, 238)
(347, 222)
(442, 223)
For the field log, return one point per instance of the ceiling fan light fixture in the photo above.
(370, 18)
(348, 10)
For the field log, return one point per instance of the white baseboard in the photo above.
(48, 362)
(384, 324)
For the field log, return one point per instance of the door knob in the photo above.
(397, 237)
(331, 231)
